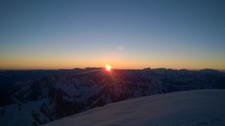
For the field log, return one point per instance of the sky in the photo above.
(126, 34)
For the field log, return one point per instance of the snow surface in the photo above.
(14, 117)
(199, 107)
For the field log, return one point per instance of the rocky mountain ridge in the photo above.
(45, 98)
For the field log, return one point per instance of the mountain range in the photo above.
(37, 97)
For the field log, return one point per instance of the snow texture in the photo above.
(198, 108)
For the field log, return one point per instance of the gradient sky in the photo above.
(134, 34)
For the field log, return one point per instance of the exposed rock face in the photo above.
(52, 96)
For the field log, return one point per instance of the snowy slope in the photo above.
(199, 107)
(23, 115)
(38, 97)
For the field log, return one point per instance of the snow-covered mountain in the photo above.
(38, 97)
(186, 108)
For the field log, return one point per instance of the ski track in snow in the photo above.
(198, 108)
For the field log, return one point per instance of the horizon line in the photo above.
(223, 70)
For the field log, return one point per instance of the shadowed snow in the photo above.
(199, 107)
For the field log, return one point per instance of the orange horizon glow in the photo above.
(69, 43)
(130, 66)
(124, 63)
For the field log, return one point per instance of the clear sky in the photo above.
(134, 34)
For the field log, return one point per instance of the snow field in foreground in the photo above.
(198, 107)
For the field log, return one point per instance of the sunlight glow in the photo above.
(108, 67)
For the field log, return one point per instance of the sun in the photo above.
(108, 67)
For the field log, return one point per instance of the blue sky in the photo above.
(124, 33)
